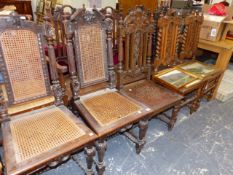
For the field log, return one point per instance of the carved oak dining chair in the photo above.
(106, 110)
(134, 68)
(188, 48)
(192, 77)
(38, 130)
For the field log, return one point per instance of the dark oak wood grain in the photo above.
(134, 72)
(12, 25)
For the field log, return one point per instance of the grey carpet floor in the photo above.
(199, 144)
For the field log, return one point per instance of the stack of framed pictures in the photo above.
(175, 78)
(184, 75)
(198, 68)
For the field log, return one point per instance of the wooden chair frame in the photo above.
(56, 156)
(79, 88)
(184, 45)
(134, 71)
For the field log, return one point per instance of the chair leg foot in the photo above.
(90, 153)
(195, 106)
(101, 147)
(173, 119)
(143, 126)
(171, 125)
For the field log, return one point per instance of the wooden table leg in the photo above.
(223, 59)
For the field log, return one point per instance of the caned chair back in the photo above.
(22, 60)
(91, 46)
(135, 39)
(167, 42)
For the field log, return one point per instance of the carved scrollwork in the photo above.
(3, 108)
(84, 16)
(108, 24)
(75, 86)
(58, 91)
(89, 16)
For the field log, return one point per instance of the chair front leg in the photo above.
(197, 100)
(90, 153)
(101, 147)
(143, 126)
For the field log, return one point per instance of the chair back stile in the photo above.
(115, 16)
(58, 91)
(89, 49)
(135, 47)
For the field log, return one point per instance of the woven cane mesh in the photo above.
(110, 107)
(38, 132)
(22, 107)
(91, 53)
(22, 57)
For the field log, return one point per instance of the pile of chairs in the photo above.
(40, 132)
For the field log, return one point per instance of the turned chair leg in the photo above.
(143, 126)
(195, 105)
(210, 94)
(90, 153)
(101, 147)
(175, 111)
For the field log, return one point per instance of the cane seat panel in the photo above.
(40, 131)
(22, 107)
(23, 61)
(110, 107)
(92, 51)
(151, 94)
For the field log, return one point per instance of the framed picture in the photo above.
(197, 68)
(175, 78)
